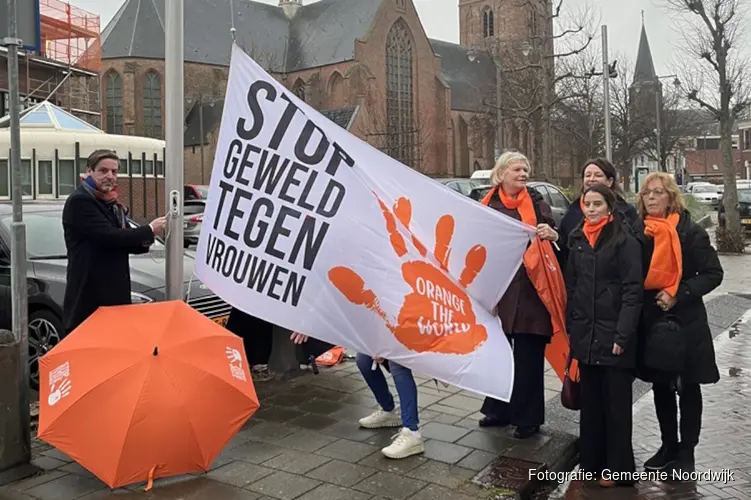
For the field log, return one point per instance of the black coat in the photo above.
(574, 218)
(702, 273)
(605, 286)
(98, 248)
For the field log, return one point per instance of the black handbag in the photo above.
(571, 390)
(664, 347)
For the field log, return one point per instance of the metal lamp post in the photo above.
(175, 92)
(658, 112)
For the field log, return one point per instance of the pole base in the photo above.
(19, 473)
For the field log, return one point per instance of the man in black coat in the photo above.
(99, 241)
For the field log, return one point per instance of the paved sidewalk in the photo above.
(304, 443)
(725, 438)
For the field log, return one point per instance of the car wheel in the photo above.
(46, 330)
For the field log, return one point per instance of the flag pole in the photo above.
(174, 174)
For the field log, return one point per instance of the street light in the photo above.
(526, 48)
(658, 106)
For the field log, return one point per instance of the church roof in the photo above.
(472, 83)
(644, 71)
(46, 115)
(321, 33)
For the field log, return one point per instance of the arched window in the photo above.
(336, 91)
(488, 23)
(477, 138)
(400, 125)
(152, 105)
(299, 89)
(113, 93)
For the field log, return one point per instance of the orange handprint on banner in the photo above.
(437, 316)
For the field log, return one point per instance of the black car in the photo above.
(47, 262)
(744, 209)
(558, 201)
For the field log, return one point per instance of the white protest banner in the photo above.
(312, 229)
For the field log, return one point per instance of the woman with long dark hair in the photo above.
(604, 283)
(597, 171)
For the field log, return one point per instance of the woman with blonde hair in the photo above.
(523, 315)
(676, 345)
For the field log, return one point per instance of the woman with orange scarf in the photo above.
(604, 282)
(681, 268)
(523, 315)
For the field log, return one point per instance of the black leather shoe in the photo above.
(493, 422)
(526, 432)
(664, 458)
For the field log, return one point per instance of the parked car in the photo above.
(195, 192)
(708, 194)
(47, 263)
(193, 217)
(744, 209)
(552, 194)
(462, 186)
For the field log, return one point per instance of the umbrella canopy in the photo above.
(144, 391)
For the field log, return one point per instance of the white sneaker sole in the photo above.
(415, 450)
(386, 424)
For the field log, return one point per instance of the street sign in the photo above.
(28, 19)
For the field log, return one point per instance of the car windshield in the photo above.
(44, 235)
(744, 195)
(706, 189)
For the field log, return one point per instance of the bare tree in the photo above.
(529, 78)
(407, 141)
(627, 121)
(712, 31)
(578, 121)
(675, 125)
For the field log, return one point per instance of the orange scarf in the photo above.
(592, 231)
(523, 204)
(666, 268)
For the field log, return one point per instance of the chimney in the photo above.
(290, 7)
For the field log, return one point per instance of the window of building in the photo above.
(113, 92)
(26, 178)
(135, 167)
(299, 89)
(45, 181)
(747, 139)
(401, 133)
(533, 22)
(4, 179)
(66, 177)
(488, 23)
(152, 105)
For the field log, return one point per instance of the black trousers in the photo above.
(257, 335)
(691, 406)
(527, 406)
(605, 422)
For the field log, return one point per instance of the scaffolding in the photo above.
(66, 69)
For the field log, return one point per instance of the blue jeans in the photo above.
(405, 387)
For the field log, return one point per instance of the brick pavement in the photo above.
(725, 439)
(304, 443)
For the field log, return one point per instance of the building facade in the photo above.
(366, 64)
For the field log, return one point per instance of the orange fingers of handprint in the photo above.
(403, 211)
(397, 241)
(444, 231)
(352, 286)
(473, 264)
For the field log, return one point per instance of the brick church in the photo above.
(367, 65)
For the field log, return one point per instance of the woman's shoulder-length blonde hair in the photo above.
(503, 162)
(677, 203)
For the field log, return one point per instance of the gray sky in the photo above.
(623, 17)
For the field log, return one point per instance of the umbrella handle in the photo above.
(150, 482)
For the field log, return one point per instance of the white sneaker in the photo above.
(381, 419)
(405, 444)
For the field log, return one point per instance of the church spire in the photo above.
(644, 71)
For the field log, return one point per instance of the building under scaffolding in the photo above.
(66, 69)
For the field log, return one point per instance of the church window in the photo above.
(401, 133)
(113, 92)
(152, 105)
(488, 23)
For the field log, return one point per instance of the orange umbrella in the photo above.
(144, 391)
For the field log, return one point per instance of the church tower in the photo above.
(646, 87)
(290, 7)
